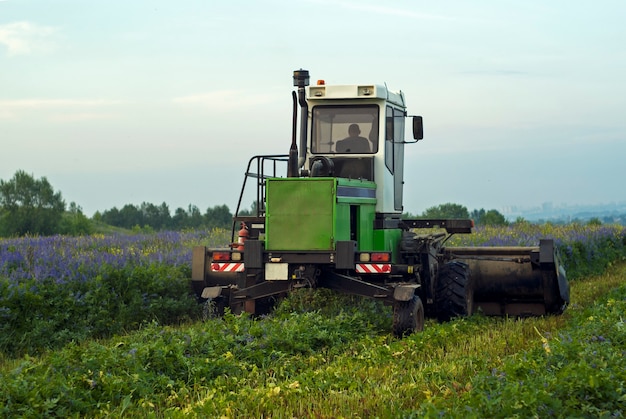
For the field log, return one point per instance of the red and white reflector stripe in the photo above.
(373, 268)
(227, 267)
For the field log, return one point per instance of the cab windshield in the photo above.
(344, 129)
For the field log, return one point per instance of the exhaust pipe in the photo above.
(292, 165)
(301, 80)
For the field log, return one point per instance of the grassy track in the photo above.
(382, 377)
(324, 356)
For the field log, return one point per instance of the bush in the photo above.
(57, 289)
(45, 314)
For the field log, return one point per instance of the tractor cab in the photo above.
(355, 132)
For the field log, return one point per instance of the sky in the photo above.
(122, 102)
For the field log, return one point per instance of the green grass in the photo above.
(327, 356)
(135, 349)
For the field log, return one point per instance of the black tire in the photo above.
(265, 306)
(408, 317)
(454, 292)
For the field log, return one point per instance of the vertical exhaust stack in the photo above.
(300, 80)
(292, 164)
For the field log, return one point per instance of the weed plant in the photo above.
(57, 289)
(111, 331)
(321, 355)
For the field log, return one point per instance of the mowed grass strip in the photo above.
(324, 356)
(378, 376)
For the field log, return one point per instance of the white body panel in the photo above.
(388, 185)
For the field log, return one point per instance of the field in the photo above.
(103, 326)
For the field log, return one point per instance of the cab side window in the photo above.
(389, 133)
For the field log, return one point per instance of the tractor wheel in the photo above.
(454, 292)
(408, 317)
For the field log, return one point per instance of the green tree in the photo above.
(492, 217)
(74, 222)
(29, 206)
(521, 221)
(594, 221)
(156, 217)
(110, 217)
(196, 219)
(127, 217)
(218, 216)
(187, 219)
(180, 220)
(446, 211)
(253, 211)
(477, 215)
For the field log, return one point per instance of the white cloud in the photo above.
(225, 99)
(80, 116)
(65, 110)
(55, 103)
(5, 114)
(25, 38)
(383, 10)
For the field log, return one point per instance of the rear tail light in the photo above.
(221, 255)
(374, 257)
(380, 257)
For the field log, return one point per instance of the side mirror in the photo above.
(418, 128)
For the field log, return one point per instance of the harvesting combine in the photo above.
(329, 214)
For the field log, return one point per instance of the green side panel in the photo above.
(300, 214)
(367, 213)
(342, 226)
(388, 240)
(358, 197)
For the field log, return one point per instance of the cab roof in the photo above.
(354, 91)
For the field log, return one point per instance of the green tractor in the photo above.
(329, 214)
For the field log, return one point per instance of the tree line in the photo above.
(150, 216)
(32, 206)
(451, 210)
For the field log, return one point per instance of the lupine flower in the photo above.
(66, 259)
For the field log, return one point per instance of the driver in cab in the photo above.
(354, 143)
